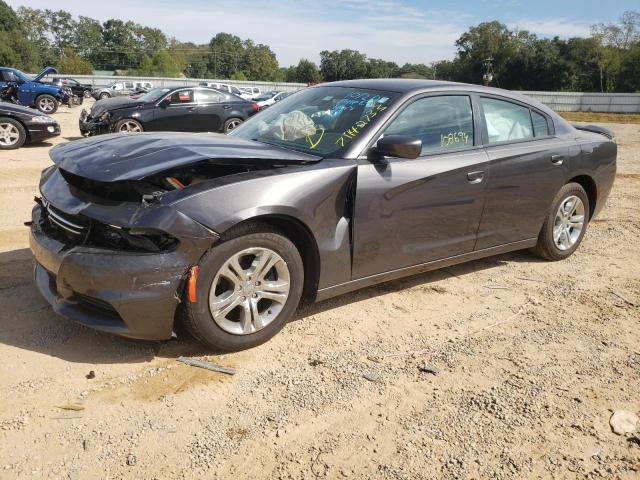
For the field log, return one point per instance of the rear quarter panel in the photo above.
(598, 161)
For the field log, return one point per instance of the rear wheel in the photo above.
(231, 124)
(12, 134)
(47, 104)
(128, 126)
(565, 224)
(247, 289)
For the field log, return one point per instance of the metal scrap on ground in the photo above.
(206, 365)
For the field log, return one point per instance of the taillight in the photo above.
(255, 106)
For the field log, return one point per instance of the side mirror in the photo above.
(400, 146)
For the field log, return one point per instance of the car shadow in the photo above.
(28, 322)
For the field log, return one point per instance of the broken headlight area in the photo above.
(76, 230)
(154, 185)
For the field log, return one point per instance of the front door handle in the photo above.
(227, 107)
(193, 109)
(475, 177)
(557, 159)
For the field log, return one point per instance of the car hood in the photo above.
(116, 157)
(44, 73)
(24, 112)
(114, 103)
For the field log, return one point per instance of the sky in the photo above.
(398, 30)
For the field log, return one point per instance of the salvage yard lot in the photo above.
(533, 358)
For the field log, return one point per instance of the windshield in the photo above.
(154, 95)
(321, 120)
(22, 76)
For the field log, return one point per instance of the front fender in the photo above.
(315, 195)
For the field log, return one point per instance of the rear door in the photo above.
(528, 167)
(211, 110)
(179, 115)
(410, 212)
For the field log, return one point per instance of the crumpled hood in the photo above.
(115, 157)
(107, 104)
(44, 73)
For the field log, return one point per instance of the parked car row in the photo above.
(179, 109)
(19, 88)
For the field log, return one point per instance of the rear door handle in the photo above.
(557, 159)
(193, 109)
(475, 177)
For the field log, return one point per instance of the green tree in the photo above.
(305, 72)
(342, 65)
(72, 63)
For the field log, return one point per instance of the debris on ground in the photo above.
(426, 368)
(623, 422)
(372, 377)
(194, 362)
(131, 460)
(76, 407)
(91, 375)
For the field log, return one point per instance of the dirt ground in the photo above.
(533, 358)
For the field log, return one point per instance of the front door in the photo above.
(179, 115)
(409, 212)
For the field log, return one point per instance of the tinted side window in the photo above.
(210, 96)
(540, 126)
(506, 121)
(182, 96)
(442, 123)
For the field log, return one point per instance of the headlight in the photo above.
(43, 119)
(105, 116)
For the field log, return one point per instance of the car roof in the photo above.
(406, 85)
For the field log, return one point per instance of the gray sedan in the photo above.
(339, 187)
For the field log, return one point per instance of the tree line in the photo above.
(608, 60)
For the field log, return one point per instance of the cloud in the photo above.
(551, 28)
(387, 29)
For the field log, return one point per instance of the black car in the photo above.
(338, 187)
(178, 109)
(19, 125)
(80, 90)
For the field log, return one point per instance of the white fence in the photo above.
(101, 81)
(589, 102)
(558, 101)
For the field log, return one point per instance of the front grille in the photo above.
(72, 225)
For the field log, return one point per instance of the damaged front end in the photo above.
(112, 248)
(117, 266)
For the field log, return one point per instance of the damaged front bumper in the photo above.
(131, 293)
(92, 126)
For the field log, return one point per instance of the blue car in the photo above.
(32, 92)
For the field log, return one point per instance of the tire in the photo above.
(12, 134)
(47, 104)
(218, 332)
(104, 95)
(87, 94)
(231, 124)
(567, 238)
(128, 125)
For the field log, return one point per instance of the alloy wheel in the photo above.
(9, 134)
(568, 223)
(130, 127)
(233, 124)
(249, 291)
(46, 105)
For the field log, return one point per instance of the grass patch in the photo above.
(601, 117)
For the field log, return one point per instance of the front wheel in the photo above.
(231, 124)
(128, 126)
(104, 95)
(12, 134)
(565, 225)
(247, 289)
(87, 94)
(47, 104)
